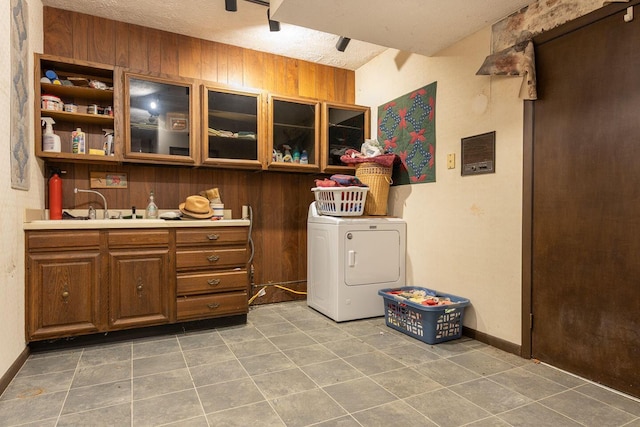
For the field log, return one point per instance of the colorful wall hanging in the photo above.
(407, 127)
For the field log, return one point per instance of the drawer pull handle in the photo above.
(139, 284)
(139, 288)
(213, 236)
(213, 282)
(213, 258)
(213, 305)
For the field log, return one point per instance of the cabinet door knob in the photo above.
(139, 288)
(213, 282)
(213, 236)
(65, 294)
(213, 258)
(213, 305)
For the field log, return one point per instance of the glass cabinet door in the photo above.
(158, 119)
(294, 137)
(232, 125)
(343, 127)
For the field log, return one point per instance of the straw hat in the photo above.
(196, 207)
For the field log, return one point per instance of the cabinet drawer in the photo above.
(212, 236)
(137, 238)
(190, 284)
(211, 258)
(214, 305)
(63, 239)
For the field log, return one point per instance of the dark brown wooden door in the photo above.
(586, 203)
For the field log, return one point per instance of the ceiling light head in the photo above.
(273, 25)
(342, 44)
(231, 5)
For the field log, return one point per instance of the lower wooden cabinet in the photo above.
(87, 281)
(63, 294)
(138, 291)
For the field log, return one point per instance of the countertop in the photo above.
(33, 221)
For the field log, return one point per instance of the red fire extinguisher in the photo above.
(55, 195)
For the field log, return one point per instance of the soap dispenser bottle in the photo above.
(152, 208)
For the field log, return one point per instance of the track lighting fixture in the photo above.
(231, 5)
(273, 25)
(342, 43)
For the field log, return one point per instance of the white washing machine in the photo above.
(349, 259)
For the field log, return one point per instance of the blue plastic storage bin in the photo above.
(429, 324)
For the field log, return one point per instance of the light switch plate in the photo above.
(451, 161)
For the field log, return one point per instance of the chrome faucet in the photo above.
(106, 211)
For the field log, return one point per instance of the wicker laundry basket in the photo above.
(378, 178)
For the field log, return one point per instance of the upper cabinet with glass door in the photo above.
(343, 127)
(294, 134)
(158, 119)
(232, 128)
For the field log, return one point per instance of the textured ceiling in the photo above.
(310, 28)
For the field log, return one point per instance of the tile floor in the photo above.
(290, 366)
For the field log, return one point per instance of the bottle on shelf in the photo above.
(50, 141)
(78, 144)
(152, 208)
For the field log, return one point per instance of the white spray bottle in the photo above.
(50, 141)
(108, 142)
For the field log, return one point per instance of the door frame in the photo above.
(527, 172)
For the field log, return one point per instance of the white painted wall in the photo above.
(464, 233)
(13, 202)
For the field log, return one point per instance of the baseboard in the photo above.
(13, 369)
(498, 343)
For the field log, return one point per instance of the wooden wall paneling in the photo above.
(138, 48)
(164, 188)
(80, 25)
(142, 180)
(253, 66)
(269, 73)
(122, 44)
(325, 82)
(101, 40)
(58, 38)
(288, 76)
(350, 92)
(235, 66)
(189, 50)
(223, 63)
(340, 87)
(307, 75)
(290, 214)
(169, 62)
(154, 50)
(182, 186)
(118, 199)
(276, 216)
(209, 60)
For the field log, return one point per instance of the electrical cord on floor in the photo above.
(262, 291)
(291, 290)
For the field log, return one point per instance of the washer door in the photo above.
(372, 256)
